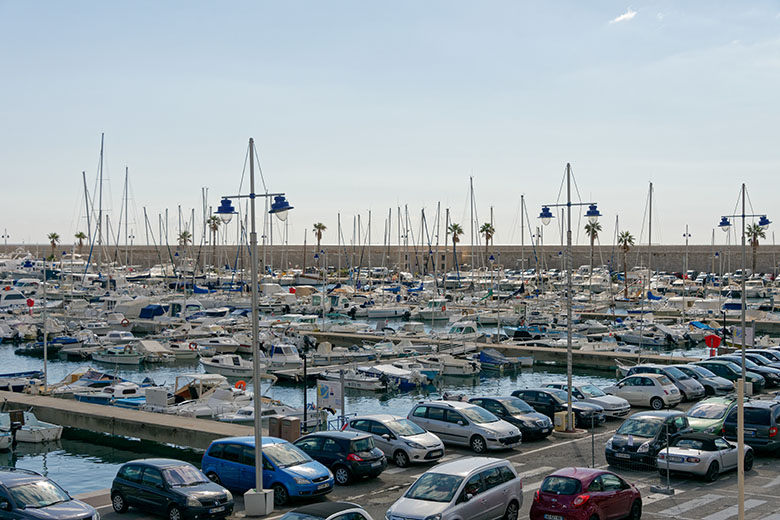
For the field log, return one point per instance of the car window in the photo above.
(361, 424)
(267, 464)
(721, 444)
(506, 474)
(757, 416)
(473, 486)
(379, 429)
(705, 410)
(350, 516)
(216, 451)
(454, 417)
(331, 446)
(611, 482)
(492, 478)
(596, 486)
(231, 452)
(131, 473)
(692, 444)
(151, 478)
(491, 406)
(526, 396)
(543, 398)
(419, 411)
(436, 414)
(680, 423)
(434, 487)
(248, 455)
(310, 443)
(561, 485)
(631, 381)
(359, 445)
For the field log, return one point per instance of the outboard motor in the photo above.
(15, 427)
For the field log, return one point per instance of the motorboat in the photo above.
(492, 359)
(228, 365)
(355, 380)
(284, 355)
(183, 350)
(399, 377)
(434, 309)
(117, 337)
(450, 365)
(33, 430)
(415, 366)
(217, 344)
(118, 355)
(108, 394)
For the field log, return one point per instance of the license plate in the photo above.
(546, 430)
(323, 486)
(675, 459)
(437, 453)
(751, 433)
(622, 455)
(217, 509)
(553, 517)
(376, 464)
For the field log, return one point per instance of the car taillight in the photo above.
(536, 496)
(662, 456)
(773, 431)
(695, 460)
(354, 458)
(580, 500)
(723, 430)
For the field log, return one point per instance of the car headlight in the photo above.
(193, 502)
(711, 429)
(644, 448)
(414, 445)
(301, 480)
(228, 495)
(608, 445)
(437, 516)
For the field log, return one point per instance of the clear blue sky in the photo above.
(360, 105)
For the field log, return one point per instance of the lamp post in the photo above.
(686, 236)
(259, 501)
(546, 216)
(725, 225)
(5, 237)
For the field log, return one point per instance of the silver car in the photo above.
(653, 390)
(690, 389)
(613, 405)
(703, 455)
(402, 440)
(465, 424)
(474, 487)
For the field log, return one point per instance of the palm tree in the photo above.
(319, 227)
(54, 239)
(213, 222)
(81, 237)
(592, 230)
(185, 237)
(488, 230)
(754, 232)
(456, 230)
(625, 241)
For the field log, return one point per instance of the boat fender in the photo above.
(193, 346)
(125, 322)
(127, 349)
(241, 385)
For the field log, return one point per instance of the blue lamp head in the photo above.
(546, 215)
(226, 210)
(280, 207)
(492, 259)
(764, 222)
(593, 214)
(724, 224)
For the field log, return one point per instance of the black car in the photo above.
(532, 424)
(771, 375)
(547, 401)
(169, 487)
(328, 511)
(639, 439)
(347, 454)
(29, 495)
(762, 420)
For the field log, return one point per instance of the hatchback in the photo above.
(585, 494)
(689, 388)
(170, 487)
(733, 372)
(399, 438)
(771, 375)
(762, 424)
(474, 487)
(713, 384)
(328, 511)
(288, 471)
(708, 416)
(29, 495)
(532, 424)
(653, 390)
(349, 455)
(639, 439)
(548, 401)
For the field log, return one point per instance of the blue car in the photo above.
(287, 470)
(28, 495)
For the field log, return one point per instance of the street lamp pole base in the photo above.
(662, 490)
(259, 502)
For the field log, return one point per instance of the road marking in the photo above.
(734, 510)
(773, 483)
(559, 444)
(450, 457)
(531, 472)
(689, 505)
(774, 516)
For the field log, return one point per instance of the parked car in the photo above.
(532, 424)
(328, 511)
(708, 416)
(642, 436)
(287, 470)
(654, 390)
(585, 494)
(769, 353)
(25, 494)
(613, 406)
(760, 359)
(762, 420)
(713, 384)
(465, 424)
(399, 438)
(689, 388)
(703, 455)
(170, 487)
(348, 455)
(770, 375)
(474, 487)
(550, 400)
(732, 371)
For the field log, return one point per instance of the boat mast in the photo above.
(127, 235)
(522, 234)
(100, 206)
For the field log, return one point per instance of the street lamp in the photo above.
(258, 501)
(546, 216)
(725, 225)
(5, 237)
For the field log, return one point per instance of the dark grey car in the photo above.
(713, 384)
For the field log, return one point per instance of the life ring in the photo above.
(443, 308)
(193, 346)
(241, 385)
(127, 349)
(125, 322)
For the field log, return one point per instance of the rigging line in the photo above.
(579, 199)
(560, 188)
(260, 169)
(642, 229)
(750, 202)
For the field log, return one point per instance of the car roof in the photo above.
(450, 404)
(340, 435)
(325, 509)
(249, 440)
(465, 466)
(723, 399)
(10, 477)
(761, 403)
(378, 417)
(581, 474)
(647, 374)
(160, 463)
(661, 414)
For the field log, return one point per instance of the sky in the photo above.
(360, 106)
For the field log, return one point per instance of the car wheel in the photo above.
(683, 395)
(636, 511)
(174, 513)
(708, 390)
(478, 444)
(119, 503)
(656, 403)
(401, 459)
(594, 517)
(712, 472)
(280, 494)
(213, 477)
(342, 475)
(512, 511)
(662, 472)
(749, 461)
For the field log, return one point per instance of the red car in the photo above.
(586, 494)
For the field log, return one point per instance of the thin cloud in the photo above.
(628, 15)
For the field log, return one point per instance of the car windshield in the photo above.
(560, 395)
(479, 415)
(292, 515)
(703, 372)
(691, 444)
(664, 381)
(284, 454)
(738, 362)
(516, 406)
(646, 427)
(41, 493)
(404, 427)
(435, 487)
(181, 476)
(561, 485)
(761, 360)
(708, 411)
(676, 373)
(592, 391)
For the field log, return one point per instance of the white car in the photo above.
(702, 455)
(613, 405)
(473, 487)
(653, 390)
(402, 440)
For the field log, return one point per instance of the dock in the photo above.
(112, 420)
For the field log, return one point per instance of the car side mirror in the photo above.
(5, 506)
(461, 423)
(469, 496)
(386, 436)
